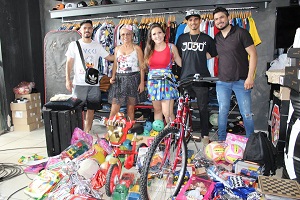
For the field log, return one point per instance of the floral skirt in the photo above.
(162, 89)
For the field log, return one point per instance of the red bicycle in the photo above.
(164, 168)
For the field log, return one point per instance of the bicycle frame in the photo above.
(183, 114)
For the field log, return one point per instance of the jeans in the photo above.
(224, 91)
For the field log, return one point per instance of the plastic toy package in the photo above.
(79, 134)
(42, 184)
(196, 188)
(75, 150)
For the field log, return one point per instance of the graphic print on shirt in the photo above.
(127, 63)
(89, 57)
(89, 62)
(193, 46)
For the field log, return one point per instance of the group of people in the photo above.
(232, 45)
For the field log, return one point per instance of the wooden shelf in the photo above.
(150, 6)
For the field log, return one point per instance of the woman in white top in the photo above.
(127, 75)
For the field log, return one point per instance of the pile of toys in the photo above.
(86, 166)
(90, 166)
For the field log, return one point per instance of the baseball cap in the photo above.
(93, 3)
(59, 6)
(191, 13)
(70, 5)
(81, 4)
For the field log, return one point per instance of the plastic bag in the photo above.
(24, 87)
(279, 63)
(79, 134)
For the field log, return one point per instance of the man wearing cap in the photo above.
(195, 48)
(89, 94)
(236, 72)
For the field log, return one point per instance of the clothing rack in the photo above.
(80, 20)
(151, 14)
(231, 9)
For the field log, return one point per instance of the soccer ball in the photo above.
(214, 151)
(158, 125)
(233, 152)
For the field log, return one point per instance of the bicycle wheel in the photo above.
(112, 179)
(165, 160)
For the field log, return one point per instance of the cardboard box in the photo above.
(292, 82)
(283, 93)
(26, 127)
(294, 62)
(30, 97)
(292, 71)
(40, 124)
(36, 104)
(24, 113)
(29, 120)
(273, 75)
(294, 53)
(21, 106)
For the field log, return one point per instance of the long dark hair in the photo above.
(149, 49)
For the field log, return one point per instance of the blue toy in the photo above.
(127, 144)
(148, 126)
(146, 133)
(134, 196)
(158, 125)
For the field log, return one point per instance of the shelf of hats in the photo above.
(107, 7)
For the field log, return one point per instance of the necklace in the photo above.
(194, 43)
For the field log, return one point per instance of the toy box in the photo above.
(196, 188)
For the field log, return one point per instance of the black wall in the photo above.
(21, 40)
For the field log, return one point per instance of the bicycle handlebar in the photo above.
(197, 78)
(188, 80)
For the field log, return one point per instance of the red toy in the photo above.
(118, 129)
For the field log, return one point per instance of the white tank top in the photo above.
(127, 63)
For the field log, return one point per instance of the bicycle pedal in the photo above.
(196, 138)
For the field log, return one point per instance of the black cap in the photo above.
(81, 4)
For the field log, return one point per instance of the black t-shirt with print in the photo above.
(193, 54)
(233, 58)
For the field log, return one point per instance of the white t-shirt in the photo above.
(91, 53)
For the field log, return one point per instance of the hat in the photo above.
(93, 3)
(70, 5)
(81, 4)
(127, 26)
(191, 13)
(59, 6)
(105, 2)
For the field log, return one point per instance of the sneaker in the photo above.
(205, 141)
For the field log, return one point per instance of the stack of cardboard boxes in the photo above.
(292, 73)
(26, 112)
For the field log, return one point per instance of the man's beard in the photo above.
(87, 35)
(227, 24)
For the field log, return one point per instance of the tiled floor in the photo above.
(15, 144)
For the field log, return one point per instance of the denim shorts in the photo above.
(91, 95)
